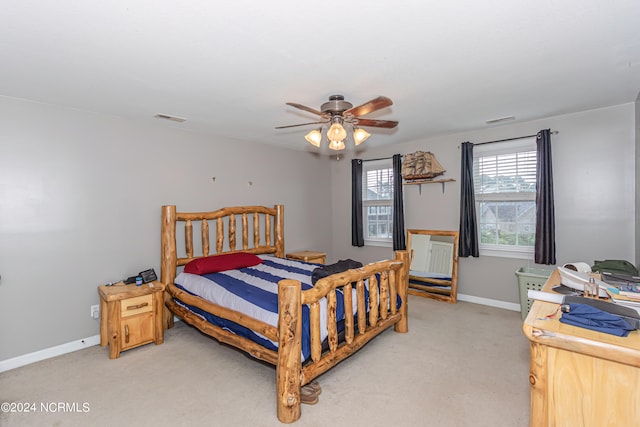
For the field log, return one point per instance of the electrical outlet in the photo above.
(95, 311)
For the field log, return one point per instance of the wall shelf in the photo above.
(419, 183)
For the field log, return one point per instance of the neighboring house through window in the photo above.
(504, 177)
(377, 202)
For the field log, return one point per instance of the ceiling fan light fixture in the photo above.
(338, 117)
(314, 137)
(360, 135)
(336, 145)
(336, 133)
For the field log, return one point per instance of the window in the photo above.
(504, 178)
(377, 202)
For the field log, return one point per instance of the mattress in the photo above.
(253, 291)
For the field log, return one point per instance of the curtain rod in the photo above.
(381, 158)
(553, 132)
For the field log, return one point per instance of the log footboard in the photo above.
(382, 313)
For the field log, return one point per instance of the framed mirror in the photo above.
(434, 264)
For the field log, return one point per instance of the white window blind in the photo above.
(504, 176)
(377, 201)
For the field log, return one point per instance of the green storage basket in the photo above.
(530, 278)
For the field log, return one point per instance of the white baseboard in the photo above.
(48, 353)
(491, 302)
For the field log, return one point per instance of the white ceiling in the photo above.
(229, 67)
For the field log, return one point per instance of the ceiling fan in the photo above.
(337, 112)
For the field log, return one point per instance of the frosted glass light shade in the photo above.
(314, 137)
(360, 136)
(336, 132)
(336, 145)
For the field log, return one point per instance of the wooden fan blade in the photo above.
(389, 124)
(305, 108)
(301, 124)
(371, 106)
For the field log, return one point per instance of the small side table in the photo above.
(130, 316)
(308, 256)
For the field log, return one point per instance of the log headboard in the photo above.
(266, 226)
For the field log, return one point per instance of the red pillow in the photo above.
(216, 263)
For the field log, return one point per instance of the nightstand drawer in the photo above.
(136, 305)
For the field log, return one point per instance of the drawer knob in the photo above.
(137, 306)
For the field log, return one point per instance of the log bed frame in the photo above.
(291, 374)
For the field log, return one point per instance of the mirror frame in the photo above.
(427, 290)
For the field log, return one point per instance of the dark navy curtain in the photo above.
(398, 205)
(468, 244)
(357, 233)
(545, 246)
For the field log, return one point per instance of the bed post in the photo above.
(288, 370)
(279, 226)
(168, 257)
(403, 286)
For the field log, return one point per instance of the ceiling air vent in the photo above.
(499, 119)
(172, 118)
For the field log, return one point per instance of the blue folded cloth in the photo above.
(586, 316)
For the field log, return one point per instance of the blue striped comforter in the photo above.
(254, 291)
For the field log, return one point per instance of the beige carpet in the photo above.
(459, 365)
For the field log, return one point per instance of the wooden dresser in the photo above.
(580, 377)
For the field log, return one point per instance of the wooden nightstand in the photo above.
(130, 316)
(308, 256)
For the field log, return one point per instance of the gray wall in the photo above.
(80, 198)
(594, 182)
